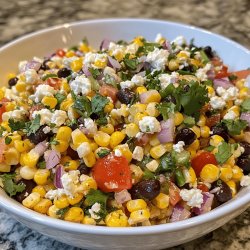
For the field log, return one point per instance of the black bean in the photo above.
(186, 135)
(125, 96)
(246, 147)
(39, 136)
(29, 185)
(64, 72)
(72, 154)
(244, 163)
(44, 65)
(12, 81)
(146, 189)
(208, 51)
(221, 131)
(223, 192)
(83, 168)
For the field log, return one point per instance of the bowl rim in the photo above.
(20, 211)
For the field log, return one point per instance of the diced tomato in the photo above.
(2, 110)
(222, 73)
(199, 161)
(54, 82)
(2, 148)
(112, 173)
(107, 90)
(142, 140)
(60, 53)
(242, 74)
(174, 194)
(212, 120)
(203, 187)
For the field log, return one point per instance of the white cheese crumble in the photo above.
(158, 38)
(158, 58)
(138, 153)
(116, 49)
(90, 125)
(46, 129)
(42, 91)
(227, 94)
(59, 117)
(15, 114)
(84, 149)
(22, 66)
(166, 79)
(137, 80)
(81, 85)
(201, 73)
(94, 210)
(31, 76)
(118, 153)
(127, 84)
(217, 102)
(68, 60)
(45, 115)
(91, 58)
(149, 125)
(245, 181)
(131, 48)
(179, 147)
(193, 197)
(57, 193)
(230, 115)
(70, 182)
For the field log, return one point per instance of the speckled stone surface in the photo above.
(230, 18)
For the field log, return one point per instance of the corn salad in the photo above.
(134, 134)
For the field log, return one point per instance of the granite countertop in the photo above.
(230, 18)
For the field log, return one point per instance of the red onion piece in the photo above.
(113, 63)
(57, 178)
(52, 158)
(206, 205)
(222, 82)
(139, 67)
(167, 45)
(211, 74)
(246, 117)
(142, 140)
(33, 65)
(179, 213)
(122, 196)
(105, 44)
(86, 71)
(41, 147)
(167, 131)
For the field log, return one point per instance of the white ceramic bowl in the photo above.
(155, 237)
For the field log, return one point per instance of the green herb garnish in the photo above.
(235, 127)
(224, 152)
(103, 152)
(8, 140)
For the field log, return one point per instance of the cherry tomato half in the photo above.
(107, 90)
(203, 187)
(2, 110)
(112, 173)
(60, 53)
(54, 82)
(242, 74)
(222, 73)
(174, 194)
(201, 160)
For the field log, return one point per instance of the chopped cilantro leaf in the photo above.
(94, 72)
(167, 164)
(16, 125)
(34, 125)
(148, 175)
(189, 121)
(224, 152)
(82, 105)
(10, 186)
(103, 152)
(41, 164)
(235, 127)
(245, 105)
(94, 196)
(45, 77)
(60, 98)
(61, 212)
(165, 109)
(204, 57)
(98, 103)
(8, 140)
(130, 63)
(180, 178)
(102, 121)
(209, 148)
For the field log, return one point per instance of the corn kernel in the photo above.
(137, 108)
(87, 220)
(61, 146)
(232, 186)
(70, 53)
(216, 140)
(66, 104)
(65, 86)
(74, 214)
(152, 96)
(61, 202)
(226, 174)
(161, 200)
(64, 133)
(49, 101)
(88, 184)
(109, 128)
(9, 106)
(136, 172)
(157, 151)
(52, 211)
(125, 151)
(190, 175)
(41, 176)
(11, 156)
(21, 146)
(90, 160)
(231, 161)
(205, 131)
(42, 206)
(116, 138)
(132, 129)
(178, 118)
(210, 173)
(108, 107)
(78, 137)
(139, 216)
(40, 190)
(137, 204)
(152, 165)
(152, 110)
(102, 139)
(138, 40)
(116, 219)
(154, 141)
(195, 145)
(138, 117)
(237, 173)
(243, 93)
(27, 173)
(5, 168)
(202, 121)
(76, 65)
(84, 48)
(31, 200)
(76, 199)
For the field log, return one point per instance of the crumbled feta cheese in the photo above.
(84, 149)
(131, 48)
(94, 211)
(149, 125)
(158, 58)
(108, 71)
(116, 49)
(238, 102)
(91, 58)
(46, 129)
(179, 147)
(137, 80)
(68, 60)
(217, 102)
(59, 60)
(81, 85)
(227, 94)
(42, 91)
(166, 79)
(152, 165)
(31, 76)
(45, 115)
(193, 197)
(201, 73)
(127, 84)
(118, 153)
(245, 181)
(138, 153)
(59, 117)
(15, 114)
(179, 40)
(70, 182)
(158, 38)
(230, 115)
(11, 94)
(57, 193)
(90, 125)
(22, 66)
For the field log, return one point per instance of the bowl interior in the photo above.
(46, 41)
